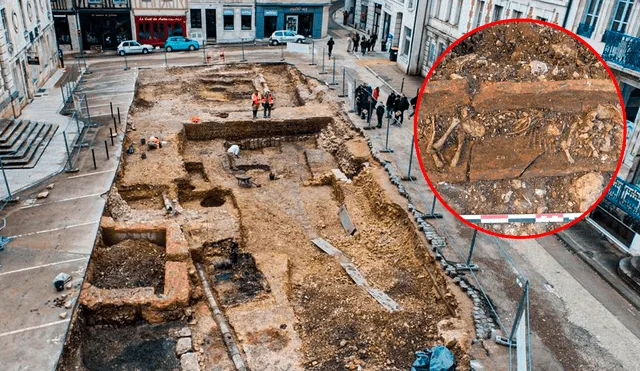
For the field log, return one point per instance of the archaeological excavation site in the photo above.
(520, 118)
(305, 257)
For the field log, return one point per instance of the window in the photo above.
(516, 14)
(457, 10)
(621, 15)
(407, 41)
(432, 52)
(497, 12)
(245, 19)
(227, 19)
(447, 17)
(3, 15)
(196, 18)
(543, 19)
(479, 11)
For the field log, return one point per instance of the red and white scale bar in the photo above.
(521, 218)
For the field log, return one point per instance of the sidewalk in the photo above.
(53, 160)
(603, 257)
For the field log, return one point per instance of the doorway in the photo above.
(377, 11)
(386, 23)
(305, 25)
(270, 25)
(210, 15)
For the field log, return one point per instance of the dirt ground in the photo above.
(534, 159)
(128, 264)
(290, 305)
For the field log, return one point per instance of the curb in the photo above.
(613, 280)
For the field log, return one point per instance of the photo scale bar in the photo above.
(521, 218)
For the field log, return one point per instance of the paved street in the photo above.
(579, 322)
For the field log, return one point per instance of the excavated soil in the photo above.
(291, 306)
(128, 264)
(484, 159)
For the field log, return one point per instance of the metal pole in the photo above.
(410, 160)
(369, 114)
(6, 182)
(343, 81)
(115, 125)
(66, 145)
(243, 58)
(75, 114)
(282, 53)
(106, 148)
(93, 154)
(402, 86)
(126, 64)
(86, 103)
(313, 52)
(433, 208)
(386, 142)
(355, 98)
(473, 238)
(111, 107)
(111, 135)
(323, 71)
(334, 72)
(166, 63)
(119, 120)
(204, 53)
(62, 92)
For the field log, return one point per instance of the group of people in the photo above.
(366, 45)
(265, 99)
(368, 100)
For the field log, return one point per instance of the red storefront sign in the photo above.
(155, 30)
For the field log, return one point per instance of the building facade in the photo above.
(156, 20)
(221, 21)
(28, 52)
(308, 18)
(103, 24)
(612, 28)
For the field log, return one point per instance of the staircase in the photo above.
(22, 142)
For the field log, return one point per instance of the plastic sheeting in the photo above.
(438, 358)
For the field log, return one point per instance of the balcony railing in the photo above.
(622, 49)
(626, 197)
(585, 30)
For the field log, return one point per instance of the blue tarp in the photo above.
(3, 241)
(438, 358)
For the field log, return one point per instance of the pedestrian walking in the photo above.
(345, 16)
(267, 104)
(380, 113)
(376, 93)
(356, 42)
(374, 38)
(255, 103)
(232, 154)
(391, 99)
(330, 45)
(349, 44)
(363, 46)
(402, 106)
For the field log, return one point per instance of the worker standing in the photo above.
(255, 103)
(380, 113)
(330, 45)
(267, 104)
(232, 154)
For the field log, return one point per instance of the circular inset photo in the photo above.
(519, 128)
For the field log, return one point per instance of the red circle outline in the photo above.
(417, 148)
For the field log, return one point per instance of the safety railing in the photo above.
(622, 49)
(585, 30)
(625, 196)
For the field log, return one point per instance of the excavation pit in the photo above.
(235, 276)
(142, 347)
(143, 196)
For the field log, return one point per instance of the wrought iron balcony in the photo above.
(622, 49)
(626, 197)
(585, 30)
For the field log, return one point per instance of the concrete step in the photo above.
(31, 152)
(12, 133)
(19, 140)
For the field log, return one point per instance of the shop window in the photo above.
(161, 35)
(196, 18)
(245, 19)
(227, 20)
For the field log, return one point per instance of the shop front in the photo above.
(155, 30)
(304, 20)
(104, 29)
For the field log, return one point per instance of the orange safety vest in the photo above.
(264, 99)
(255, 98)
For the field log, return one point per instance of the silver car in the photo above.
(285, 36)
(132, 47)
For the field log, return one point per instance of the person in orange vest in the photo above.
(267, 103)
(255, 103)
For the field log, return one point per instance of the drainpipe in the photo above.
(415, 20)
(566, 16)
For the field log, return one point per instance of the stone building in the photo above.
(28, 52)
(153, 21)
(222, 21)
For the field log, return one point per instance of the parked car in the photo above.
(285, 36)
(180, 43)
(132, 47)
